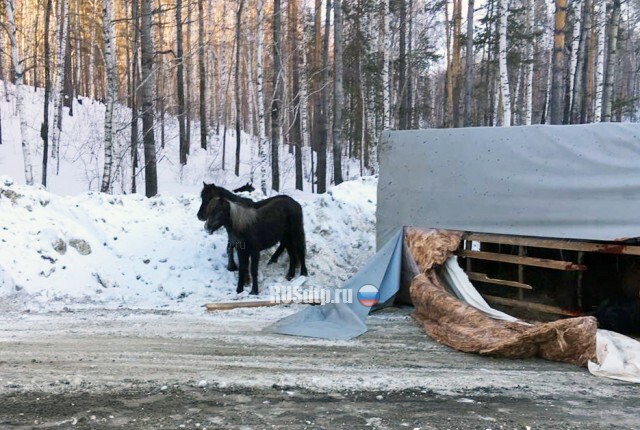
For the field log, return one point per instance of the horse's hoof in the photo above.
(239, 290)
(289, 277)
(233, 268)
(253, 293)
(271, 262)
(304, 273)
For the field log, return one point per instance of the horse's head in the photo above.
(218, 214)
(248, 187)
(209, 192)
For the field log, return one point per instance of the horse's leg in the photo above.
(231, 265)
(277, 254)
(255, 261)
(301, 251)
(292, 261)
(243, 258)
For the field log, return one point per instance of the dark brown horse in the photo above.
(210, 191)
(253, 229)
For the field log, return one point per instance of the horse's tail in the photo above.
(299, 239)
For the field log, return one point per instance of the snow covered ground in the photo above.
(129, 251)
(72, 247)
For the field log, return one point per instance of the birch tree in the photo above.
(112, 89)
(304, 103)
(262, 137)
(601, 19)
(20, 90)
(58, 94)
(505, 93)
(386, 58)
(237, 85)
(575, 44)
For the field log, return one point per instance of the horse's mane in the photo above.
(230, 196)
(242, 215)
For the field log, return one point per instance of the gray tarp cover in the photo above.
(578, 181)
(346, 320)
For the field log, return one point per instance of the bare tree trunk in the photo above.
(576, 32)
(304, 103)
(579, 88)
(202, 73)
(237, 85)
(20, 90)
(44, 131)
(402, 68)
(317, 75)
(456, 61)
(184, 149)
(338, 92)
(133, 92)
(587, 112)
(324, 131)
(2, 77)
(34, 72)
(93, 93)
(386, 58)
(448, 105)
(529, 72)
(601, 25)
(112, 89)
(147, 52)
(262, 143)
(612, 56)
(468, 73)
(58, 95)
(295, 130)
(277, 96)
(188, 67)
(557, 78)
(502, 63)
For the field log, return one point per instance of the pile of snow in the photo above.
(99, 250)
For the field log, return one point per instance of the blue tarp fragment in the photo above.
(343, 321)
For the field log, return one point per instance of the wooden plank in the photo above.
(481, 277)
(568, 245)
(234, 305)
(521, 253)
(527, 261)
(528, 305)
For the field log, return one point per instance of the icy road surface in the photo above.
(154, 369)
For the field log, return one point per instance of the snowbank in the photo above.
(98, 250)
